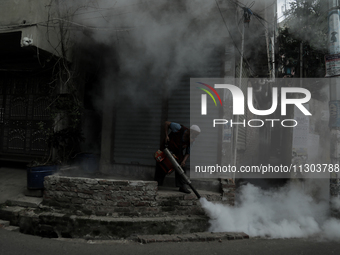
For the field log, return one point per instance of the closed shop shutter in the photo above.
(138, 124)
(179, 102)
(137, 128)
(179, 108)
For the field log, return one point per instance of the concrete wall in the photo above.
(31, 17)
(14, 12)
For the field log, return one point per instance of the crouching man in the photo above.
(179, 142)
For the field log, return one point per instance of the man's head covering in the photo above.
(195, 128)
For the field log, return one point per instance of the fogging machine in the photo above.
(168, 163)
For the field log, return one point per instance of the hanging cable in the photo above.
(225, 23)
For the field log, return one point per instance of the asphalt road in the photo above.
(19, 244)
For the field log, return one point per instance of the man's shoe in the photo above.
(184, 190)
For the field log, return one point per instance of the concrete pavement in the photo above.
(12, 243)
(13, 185)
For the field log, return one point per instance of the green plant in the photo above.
(305, 26)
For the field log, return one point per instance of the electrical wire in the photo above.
(105, 16)
(275, 1)
(99, 9)
(112, 8)
(75, 26)
(45, 23)
(225, 23)
(42, 23)
(8, 27)
(92, 28)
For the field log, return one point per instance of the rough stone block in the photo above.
(147, 198)
(169, 203)
(123, 209)
(85, 196)
(186, 203)
(189, 197)
(102, 213)
(140, 188)
(128, 188)
(91, 181)
(121, 183)
(153, 203)
(132, 198)
(168, 208)
(81, 187)
(136, 183)
(62, 179)
(123, 204)
(151, 186)
(149, 210)
(96, 187)
(105, 182)
(99, 197)
(120, 198)
(110, 203)
(113, 188)
(135, 193)
(64, 199)
(77, 201)
(140, 203)
(150, 193)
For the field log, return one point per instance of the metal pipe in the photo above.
(334, 48)
(179, 170)
(236, 133)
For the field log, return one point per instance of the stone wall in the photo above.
(100, 196)
(117, 198)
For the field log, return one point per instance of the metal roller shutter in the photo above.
(137, 130)
(179, 103)
(137, 127)
(179, 106)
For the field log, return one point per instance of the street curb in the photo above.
(12, 228)
(32, 203)
(193, 237)
(4, 223)
(54, 224)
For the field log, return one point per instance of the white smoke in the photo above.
(286, 212)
